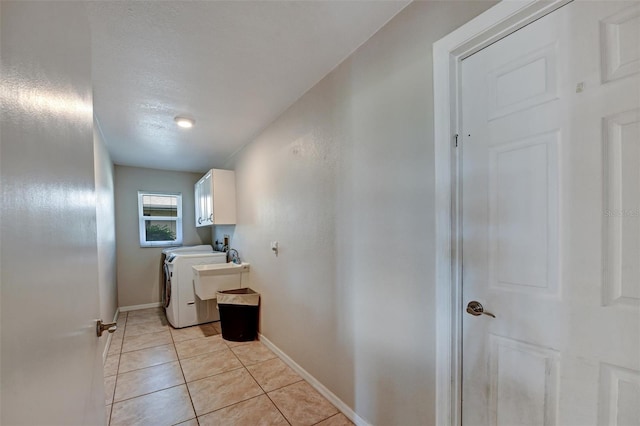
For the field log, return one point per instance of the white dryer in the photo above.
(169, 252)
(182, 306)
(203, 248)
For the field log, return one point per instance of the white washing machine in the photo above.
(203, 248)
(182, 306)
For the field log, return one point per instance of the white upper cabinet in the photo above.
(215, 198)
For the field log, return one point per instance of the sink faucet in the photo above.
(233, 256)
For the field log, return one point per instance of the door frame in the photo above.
(496, 23)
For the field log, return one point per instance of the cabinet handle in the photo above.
(211, 217)
(199, 221)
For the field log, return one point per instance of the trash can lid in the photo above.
(241, 296)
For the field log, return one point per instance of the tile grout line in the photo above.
(288, 384)
(147, 347)
(113, 397)
(230, 349)
(150, 366)
(146, 368)
(115, 383)
(281, 387)
(278, 388)
(242, 366)
(333, 415)
(267, 394)
(186, 385)
(149, 393)
(284, 386)
(144, 349)
(141, 349)
(231, 405)
(214, 375)
(204, 353)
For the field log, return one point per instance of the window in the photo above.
(160, 219)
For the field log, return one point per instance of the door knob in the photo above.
(101, 327)
(476, 309)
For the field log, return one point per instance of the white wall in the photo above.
(139, 268)
(105, 225)
(344, 180)
(51, 363)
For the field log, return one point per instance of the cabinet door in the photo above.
(207, 199)
(220, 184)
(198, 202)
(203, 201)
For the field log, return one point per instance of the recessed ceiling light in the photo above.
(185, 122)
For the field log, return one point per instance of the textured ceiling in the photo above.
(234, 66)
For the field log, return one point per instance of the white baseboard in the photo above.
(108, 344)
(340, 405)
(137, 307)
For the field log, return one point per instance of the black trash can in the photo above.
(239, 314)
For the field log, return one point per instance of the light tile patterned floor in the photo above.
(157, 375)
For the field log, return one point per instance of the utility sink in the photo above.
(209, 279)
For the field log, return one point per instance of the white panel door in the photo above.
(550, 213)
(51, 370)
